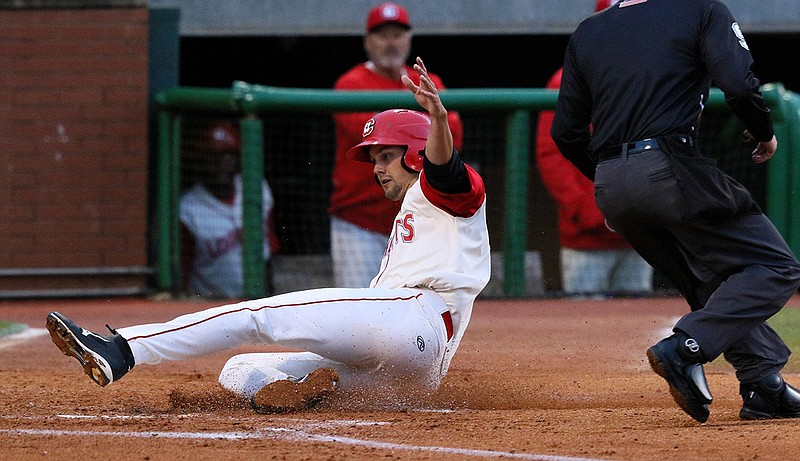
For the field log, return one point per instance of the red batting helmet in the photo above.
(222, 137)
(395, 127)
(603, 4)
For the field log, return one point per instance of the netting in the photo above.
(299, 153)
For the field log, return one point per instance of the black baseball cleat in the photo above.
(769, 398)
(104, 358)
(687, 380)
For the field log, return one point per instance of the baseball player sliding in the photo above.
(404, 328)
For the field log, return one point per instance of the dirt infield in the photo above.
(559, 380)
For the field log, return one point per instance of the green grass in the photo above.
(8, 328)
(787, 324)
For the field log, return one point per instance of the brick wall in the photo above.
(73, 146)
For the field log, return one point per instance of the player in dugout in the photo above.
(400, 332)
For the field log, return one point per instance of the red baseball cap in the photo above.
(387, 13)
(222, 137)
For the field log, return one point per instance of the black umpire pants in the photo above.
(702, 230)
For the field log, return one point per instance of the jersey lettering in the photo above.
(404, 232)
(408, 228)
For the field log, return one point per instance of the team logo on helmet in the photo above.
(390, 12)
(222, 135)
(369, 127)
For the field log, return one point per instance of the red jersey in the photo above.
(581, 225)
(356, 197)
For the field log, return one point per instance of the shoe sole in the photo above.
(748, 414)
(69, 344)
(688, 404)
(752, 415)
(286, 396)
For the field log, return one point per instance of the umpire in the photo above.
(638, 73)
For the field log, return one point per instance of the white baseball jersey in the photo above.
(404, 328)
(216, 227)
(439, 241)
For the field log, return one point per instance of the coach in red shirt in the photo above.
(594, 260)
(361, 217)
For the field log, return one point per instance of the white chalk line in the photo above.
(327, 424)
(298, 435)
(123, 417)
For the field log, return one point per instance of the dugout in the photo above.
(261, 109)
(78, 78)
(214, 57)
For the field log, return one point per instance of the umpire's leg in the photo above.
(642, 200)
(759, 274)
(662, 251)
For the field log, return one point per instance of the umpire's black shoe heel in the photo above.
(105, 358)
(686, 378)
(769, 398)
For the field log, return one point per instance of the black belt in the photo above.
(641, 146)
(632, 147)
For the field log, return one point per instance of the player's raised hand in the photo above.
(439, 148)
(425, 93)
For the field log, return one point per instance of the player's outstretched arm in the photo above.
(439, 147)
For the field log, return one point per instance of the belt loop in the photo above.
(624, 152)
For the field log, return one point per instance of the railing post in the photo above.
(792, 105)
(169, 142)
(516, 194)
(176, 135)
(164, 203)
(780, 193)
(783, 170)
(252, 129)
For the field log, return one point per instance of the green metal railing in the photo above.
(249, 102)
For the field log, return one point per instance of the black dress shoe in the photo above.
(687, 380)
(769, 398)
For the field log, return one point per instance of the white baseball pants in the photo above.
(364, 333)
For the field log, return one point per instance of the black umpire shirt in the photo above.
(642, 69)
